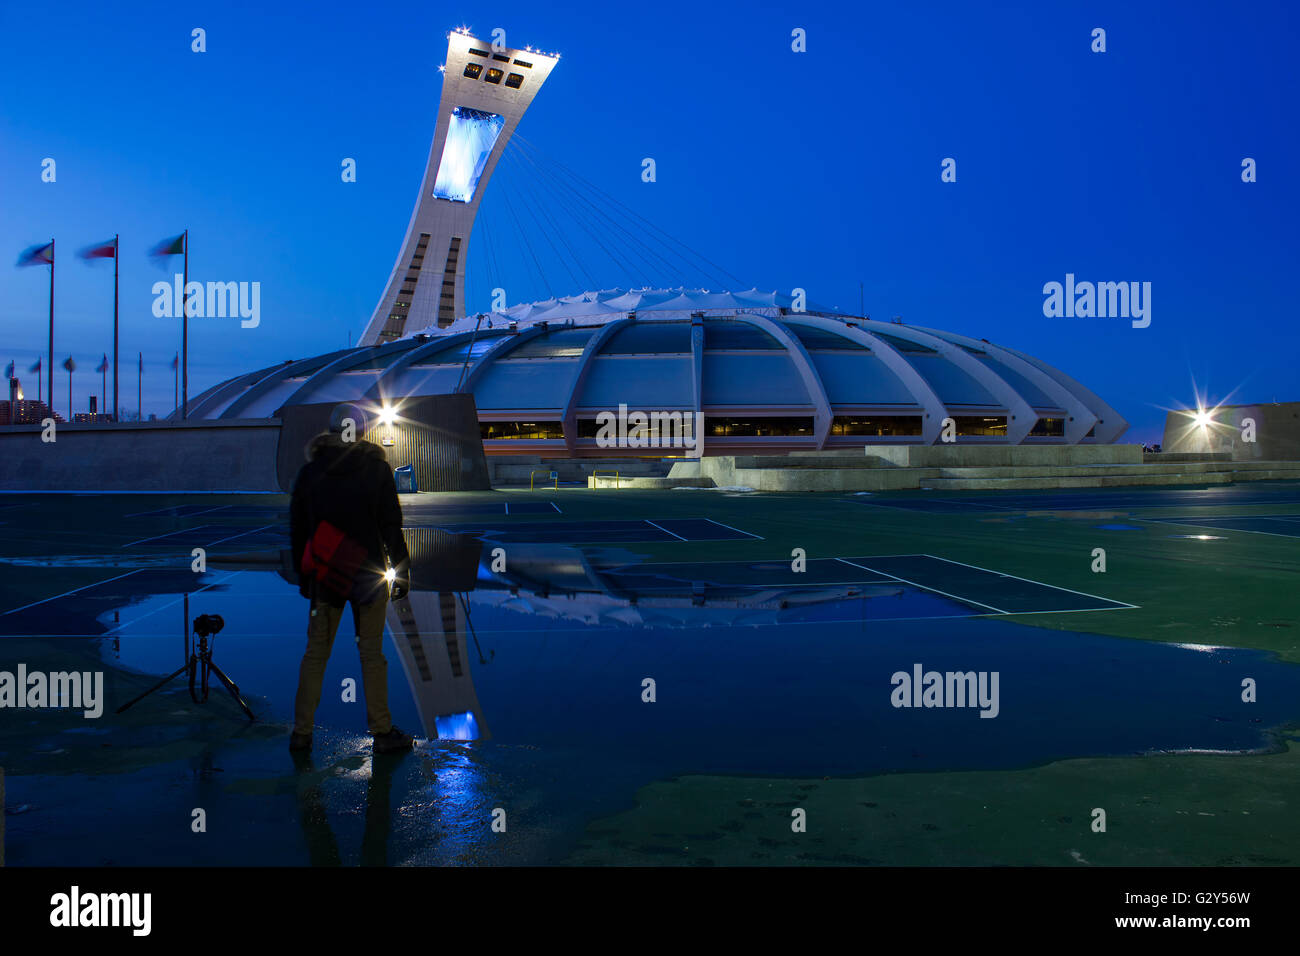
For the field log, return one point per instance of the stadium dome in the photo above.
(768, 373)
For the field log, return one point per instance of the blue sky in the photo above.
(817, 170)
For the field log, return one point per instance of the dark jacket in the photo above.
(350, 485)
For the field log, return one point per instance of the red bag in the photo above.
(333, 559)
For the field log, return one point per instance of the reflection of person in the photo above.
(346, 532)
(313, 812)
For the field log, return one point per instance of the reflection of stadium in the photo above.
(433, 631)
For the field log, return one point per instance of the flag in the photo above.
(103, 250)
(36, 367)
(176, 361)
(69, 364)
(103, 366)
(9, 370)
(170, 247)
(39, 255)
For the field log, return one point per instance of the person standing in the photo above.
(345, 526)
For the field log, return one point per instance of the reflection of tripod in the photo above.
(199, 664)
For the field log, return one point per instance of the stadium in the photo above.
(766, 376)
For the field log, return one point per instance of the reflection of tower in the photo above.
(428, 629)
(485, 89)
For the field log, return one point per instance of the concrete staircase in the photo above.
(1154, 470)
(935, 467)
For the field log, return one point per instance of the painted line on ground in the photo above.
(73, 591)
(166, 535)
(162, 512)
(756, 537)
(923, 587)
(665, 530)
(213, 544)
(1095, 597)
(1216, 527)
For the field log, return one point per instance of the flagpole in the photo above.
(50, 393)
(139, 374)
(117, 257)
(185, 333)
(176, 373)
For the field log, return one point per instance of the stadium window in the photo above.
(473, 70)
(1048, 428)
(880, 426)
(479, 52)
(759, 427)
(521, 431)
(501, 56)
(524, 63)
(515, 80)
(493, 75)
(975, 426)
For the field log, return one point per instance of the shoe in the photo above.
(393, 742)
(299, 741)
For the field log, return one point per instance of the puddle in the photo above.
(529, 687)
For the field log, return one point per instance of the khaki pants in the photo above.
(368, 622)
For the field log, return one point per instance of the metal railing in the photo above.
(596, 474)
(550, 476)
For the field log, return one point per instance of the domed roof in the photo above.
(767, 370)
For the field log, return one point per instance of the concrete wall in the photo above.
(145, 456)
(1276, 432)
(437, 434)
(939, 456)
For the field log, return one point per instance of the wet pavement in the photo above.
(528, 688)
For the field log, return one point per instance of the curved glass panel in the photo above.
(470, 138)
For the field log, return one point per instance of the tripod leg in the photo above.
(155, 687)
(233, 688)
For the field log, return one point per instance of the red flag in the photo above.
(104, 250)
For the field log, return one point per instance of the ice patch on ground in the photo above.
(743, 488)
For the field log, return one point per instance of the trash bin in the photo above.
(405, 478)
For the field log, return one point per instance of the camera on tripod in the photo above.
(205, 625)
(199, 665)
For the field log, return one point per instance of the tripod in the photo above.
(199, 664)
